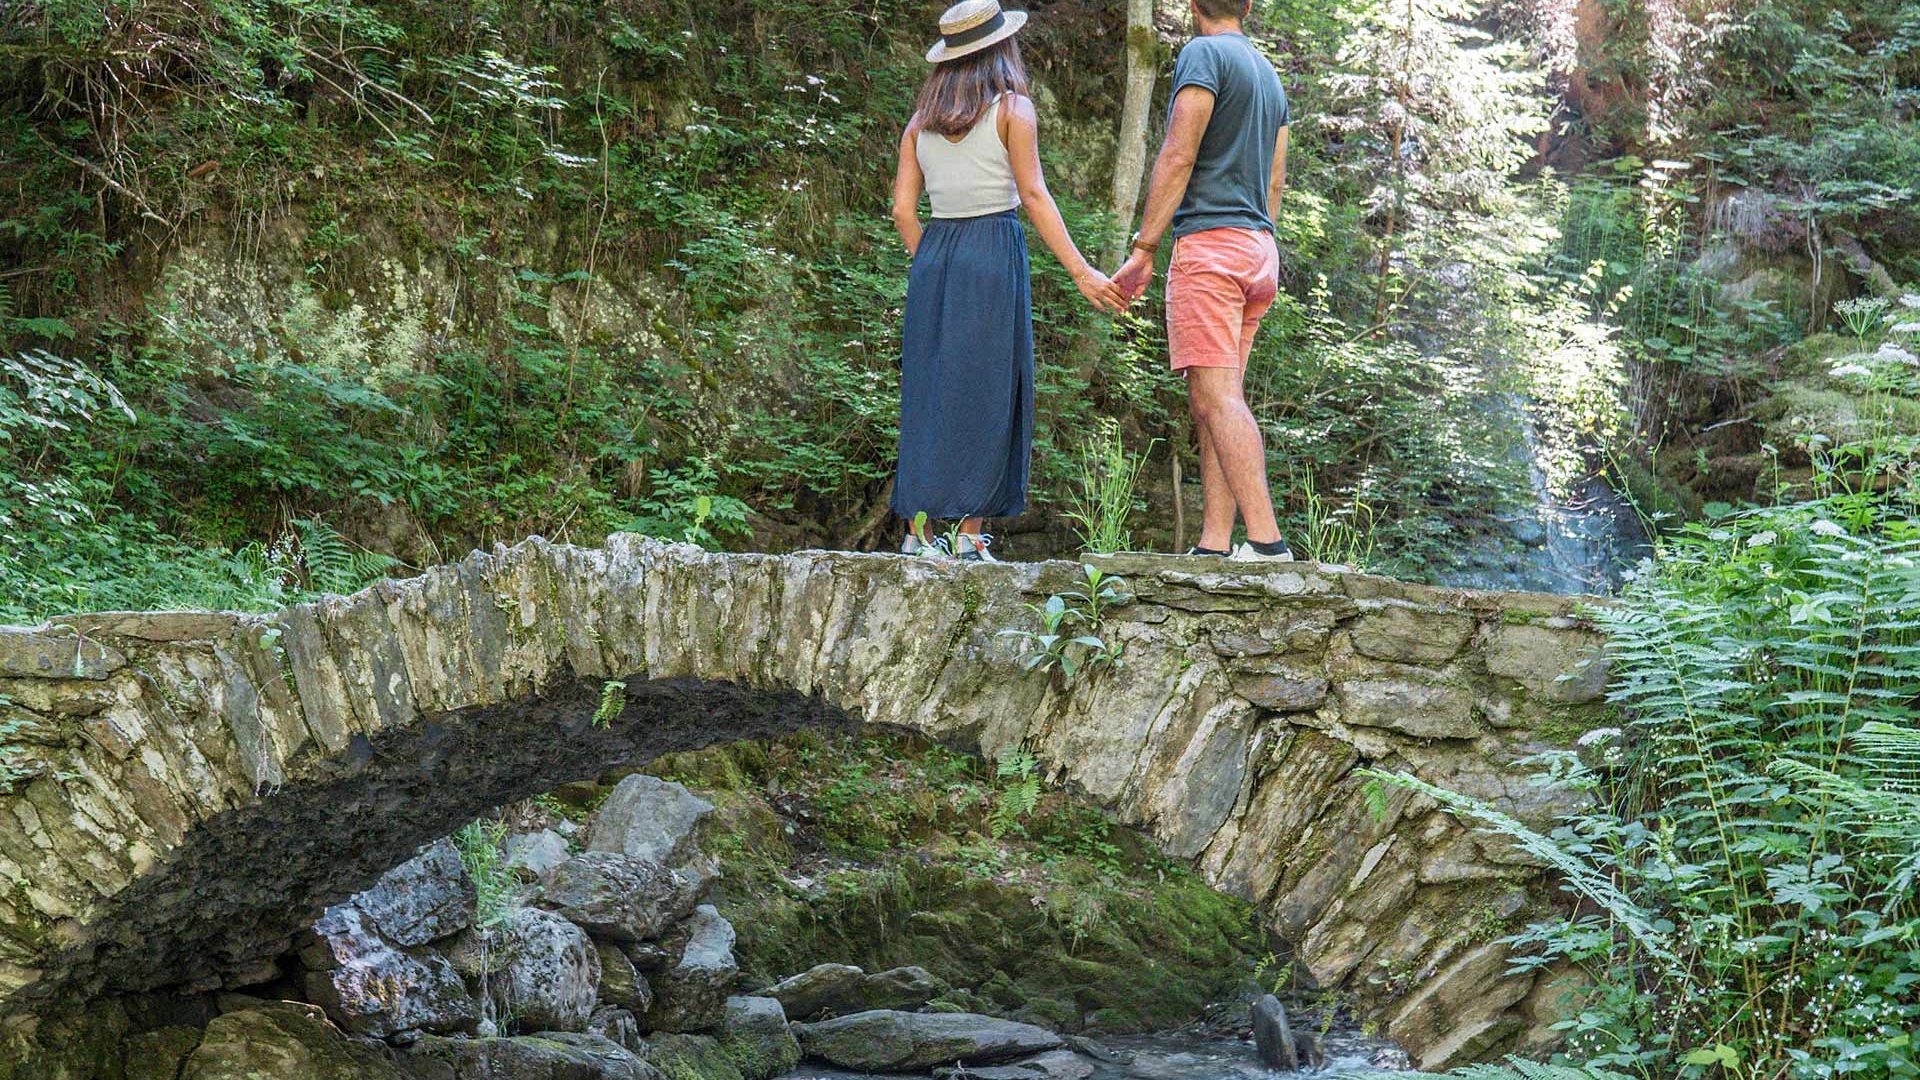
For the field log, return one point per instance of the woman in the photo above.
(966, 384)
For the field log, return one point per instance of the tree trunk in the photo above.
(1130, 152)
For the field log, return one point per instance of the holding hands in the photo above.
(1101, 291)
(1135, 274)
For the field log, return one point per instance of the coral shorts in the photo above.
(1220, 284)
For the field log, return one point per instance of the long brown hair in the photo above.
(957, 92)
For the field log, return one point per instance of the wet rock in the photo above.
(620, 897)
(620, 983)
(890, 1041)
(535, 854)
(424, 899)
(1098, 1051)
(1052, 1065)
(285, 1041)
(1273, 1036)
(535, 967)
(369, 987)
(692, 995)
(548, 1055)
(822, 989)
(649, 818)
(839, 989)
(762, 1043)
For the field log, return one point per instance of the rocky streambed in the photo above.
(588, 941)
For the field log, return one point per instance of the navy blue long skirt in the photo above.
(966, 379)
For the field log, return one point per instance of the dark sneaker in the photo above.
(1278, 551)
(972, 547)
(1215, 552)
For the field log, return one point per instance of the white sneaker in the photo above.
(1246, 552)
(923, 549)
(972, 547)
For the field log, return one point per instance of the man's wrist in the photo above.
(1141, 243)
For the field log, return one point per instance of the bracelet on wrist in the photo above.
(1142, 245)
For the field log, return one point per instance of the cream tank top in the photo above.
(970, 177)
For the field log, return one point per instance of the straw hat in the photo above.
(972, 25)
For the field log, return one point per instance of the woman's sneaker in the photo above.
(1214, 552)
(972, 547)
(923, 549)
(1278, 551)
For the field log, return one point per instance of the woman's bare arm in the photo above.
(907, 186)
(1020, 128)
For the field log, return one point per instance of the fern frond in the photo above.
(1581, 875)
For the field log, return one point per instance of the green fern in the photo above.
(1581, 875)
(1019, 795)
(334, 565)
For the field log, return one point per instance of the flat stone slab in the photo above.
(886, 1040)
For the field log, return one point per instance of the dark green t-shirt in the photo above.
(1228, 188)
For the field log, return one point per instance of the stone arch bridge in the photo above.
(190, 789)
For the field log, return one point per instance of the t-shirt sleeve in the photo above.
(1197, 65)
(1286, 108)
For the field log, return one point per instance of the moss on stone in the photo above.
(692, 1057)
(1075, 924)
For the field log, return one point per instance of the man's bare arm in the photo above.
(1277, 183)
(1192, 109)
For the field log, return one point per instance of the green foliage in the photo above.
(1105, 497)
(1056, 646)
(479, 844)
(1514, 1068)
(1018, 772)
(1752, 856)
(613, 698)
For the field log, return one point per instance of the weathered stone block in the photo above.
(1282, 693)
(1411, 635)
(51, 654)
(1563, 665)
(1418, 709)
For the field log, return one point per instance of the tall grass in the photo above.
(1105, 498)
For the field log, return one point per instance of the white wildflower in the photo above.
(1842, 371)
(1911, 300)
(1598, 735)
(1906, 328)
(1762, 539)
(1823, 527)
(1893, 352)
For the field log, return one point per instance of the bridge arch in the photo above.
(199, 785)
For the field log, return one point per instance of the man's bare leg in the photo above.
(1220, 413)
(1216, 500)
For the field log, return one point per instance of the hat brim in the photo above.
(1014, 20)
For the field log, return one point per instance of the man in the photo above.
(1218, 177)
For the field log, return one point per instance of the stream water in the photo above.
(1196, 1054)
(1578, 536)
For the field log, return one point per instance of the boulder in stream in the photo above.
(1052, 1065)
(759, 1038)
(535, 854)
(840, 989)
(886, 1040)
(426, 898)
(1273, 1036)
